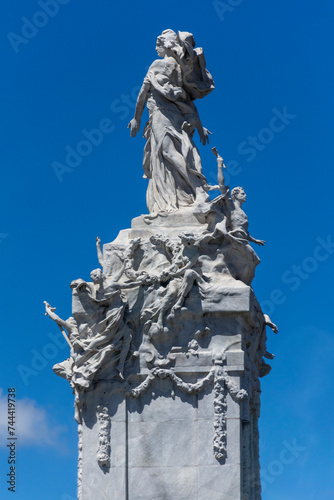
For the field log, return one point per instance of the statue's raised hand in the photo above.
(204, 135)
(134, 127)
(259, 242)
(48, 308)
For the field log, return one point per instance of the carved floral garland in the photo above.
(103, 452)
(222, 381)
(183, 386)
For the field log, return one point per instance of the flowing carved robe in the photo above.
(171, 159)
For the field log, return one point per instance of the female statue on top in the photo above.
(171, 160)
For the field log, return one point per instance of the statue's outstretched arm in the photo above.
(254, 240)
(134, 124)
(269, 323)
(220, 163)
(99, 251)
(49, 311)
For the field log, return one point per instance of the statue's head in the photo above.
(238, 193)
(184, 37)
(188, 239)
(77, 284)
(96, 276)
(166, 41)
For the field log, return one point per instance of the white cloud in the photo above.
(33, 425)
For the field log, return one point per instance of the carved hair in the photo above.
(170, 38)
(235, 191)
(187, 238)
(186, 37)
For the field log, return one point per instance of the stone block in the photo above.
(219, 483)
(163, 483)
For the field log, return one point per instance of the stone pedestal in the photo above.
(184, 425)
(165, 364)
(176, 441)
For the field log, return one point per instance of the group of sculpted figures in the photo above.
(100, 331)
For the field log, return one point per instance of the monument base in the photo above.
(167, 347)
(181, 433)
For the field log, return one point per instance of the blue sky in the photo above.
(271, 116)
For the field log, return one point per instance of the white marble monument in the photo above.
(167, 341)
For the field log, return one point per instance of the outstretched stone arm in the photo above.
(114, 285)
(134, 124)
(254, 240)
(220, 163)
(243, 233)
(269, 323)
(49, 311)
(99, 251)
